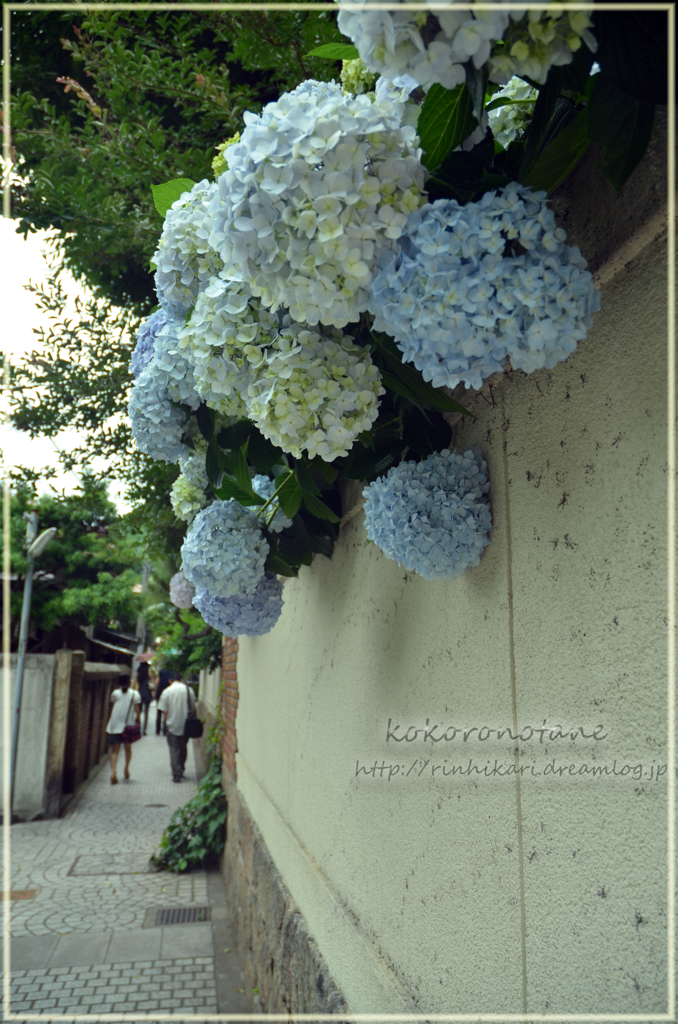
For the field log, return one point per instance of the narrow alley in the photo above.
(94, 929)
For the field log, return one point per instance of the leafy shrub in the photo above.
(197, 830)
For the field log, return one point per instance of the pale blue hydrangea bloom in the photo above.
(184, 258)
(457, 306)
(244, 614)
(224, 551)
(174, 360)
(316, 185)
(143, 352)
(181, 591)
(190, 490)
(265, 488)
(433, 517)
(157, 424)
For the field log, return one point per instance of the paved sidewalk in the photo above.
(84, 915)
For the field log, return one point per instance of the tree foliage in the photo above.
(88, 574)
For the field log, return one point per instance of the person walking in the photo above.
(163, 683)
(125, 706)
(144, 688)
(177, 703)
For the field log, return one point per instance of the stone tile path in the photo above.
(84, 941)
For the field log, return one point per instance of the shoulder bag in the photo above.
(193, 726)
(132, 731)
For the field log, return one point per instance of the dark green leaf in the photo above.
(205, 421)
(304, 478)
(445, 121)
(307, 537)
(368, 465)
(329, 471)
(274, 563)
(633, 52)
(261, 452)
(236, 464)
(335, 51)
(229, 490)
(319, 509)
(622, 125)
(563, 112)
(289, 497)
(213, 467)
(235, 436)
(167, 193)
(407, 381)
(476, 83)
(426, 434)
(560, 157)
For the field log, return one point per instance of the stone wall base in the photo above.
(282, 959)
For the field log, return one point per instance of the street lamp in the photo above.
(35, 546)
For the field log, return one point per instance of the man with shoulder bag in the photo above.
(177, 703)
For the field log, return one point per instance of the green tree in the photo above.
(88, 574)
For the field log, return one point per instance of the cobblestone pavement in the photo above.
(84, 933)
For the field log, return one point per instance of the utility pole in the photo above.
(35, 546)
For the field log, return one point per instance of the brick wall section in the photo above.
(229, 703)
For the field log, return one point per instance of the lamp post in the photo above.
(35, 546)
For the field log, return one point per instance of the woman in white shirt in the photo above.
(125, 707)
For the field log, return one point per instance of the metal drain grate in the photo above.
(183, 915)
(155, 805)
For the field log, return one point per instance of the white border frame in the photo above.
(136, 1017)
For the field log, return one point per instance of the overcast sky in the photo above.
(24, 261)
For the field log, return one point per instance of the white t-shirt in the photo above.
(174, 703)
(122, 713)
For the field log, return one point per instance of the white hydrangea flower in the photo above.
(538, 41)
(318, 183)
(224, 336)
(181, 591)
(224, 551)
(184, 258)
(431, 48)
(189, 491)
(316, 393)
(509, 120)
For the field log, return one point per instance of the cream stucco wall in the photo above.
(476, 894)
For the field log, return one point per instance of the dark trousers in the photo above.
(177, 750)
(159, 725)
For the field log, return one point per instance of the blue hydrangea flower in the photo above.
(224, 551)
(265, 488)
(244, 614)
(144, 350)
(470, 285)
(173, 358)
(181, 592)
(157, 425)
(433, 517)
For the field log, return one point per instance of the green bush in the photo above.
(197, 830)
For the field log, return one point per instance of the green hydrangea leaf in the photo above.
(335, 51)
(167, 193)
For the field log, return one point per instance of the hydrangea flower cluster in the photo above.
(265, 488)
(145, 346)
(184, 259)
(181, 591)
(315, 393)
(224, 551)
(457, 302)
(429, 48)
(174, 364)
(356, 77)
(317, 184)
(433, 517)
(157, 425)
(244, 614)
(510, 120)
(225, 335)
(539, 41)
(188, 494)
